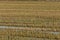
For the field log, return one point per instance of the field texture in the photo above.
(29, 20)
(30, 14)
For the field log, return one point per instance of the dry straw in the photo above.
(22, 20)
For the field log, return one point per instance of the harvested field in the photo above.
(29, 20)
(30, 14)
(11, 34)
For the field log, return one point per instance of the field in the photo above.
(42, 20)
(14, 34)
(30, 14)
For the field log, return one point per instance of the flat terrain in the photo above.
(27, 33)
(30, 14)
(28, 20)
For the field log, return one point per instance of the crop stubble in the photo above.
(30, 14)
